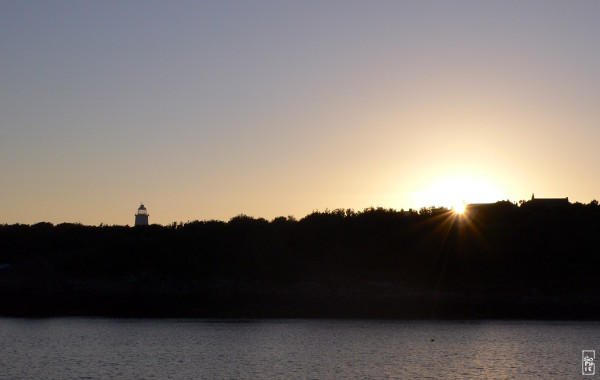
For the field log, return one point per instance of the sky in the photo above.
(210, 109)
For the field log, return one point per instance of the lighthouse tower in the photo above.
(141, 218)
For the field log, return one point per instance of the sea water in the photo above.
(97, 348)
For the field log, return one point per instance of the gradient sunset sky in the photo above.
(207, 110)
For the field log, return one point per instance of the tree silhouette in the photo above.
(495, 260)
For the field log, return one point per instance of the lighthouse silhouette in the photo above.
(141, 218)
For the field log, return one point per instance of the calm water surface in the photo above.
(94, 348)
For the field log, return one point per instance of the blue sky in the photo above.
(207, 110)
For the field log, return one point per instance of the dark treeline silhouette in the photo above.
(499, 260)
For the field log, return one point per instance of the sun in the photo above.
(455, 192)
(459, 208)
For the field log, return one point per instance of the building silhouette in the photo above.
(549, 202)
(535, 203)
(141, 218)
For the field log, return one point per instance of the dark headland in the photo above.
(499, 260)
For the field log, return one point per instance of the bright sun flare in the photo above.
(456, 192)
(459, 208)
